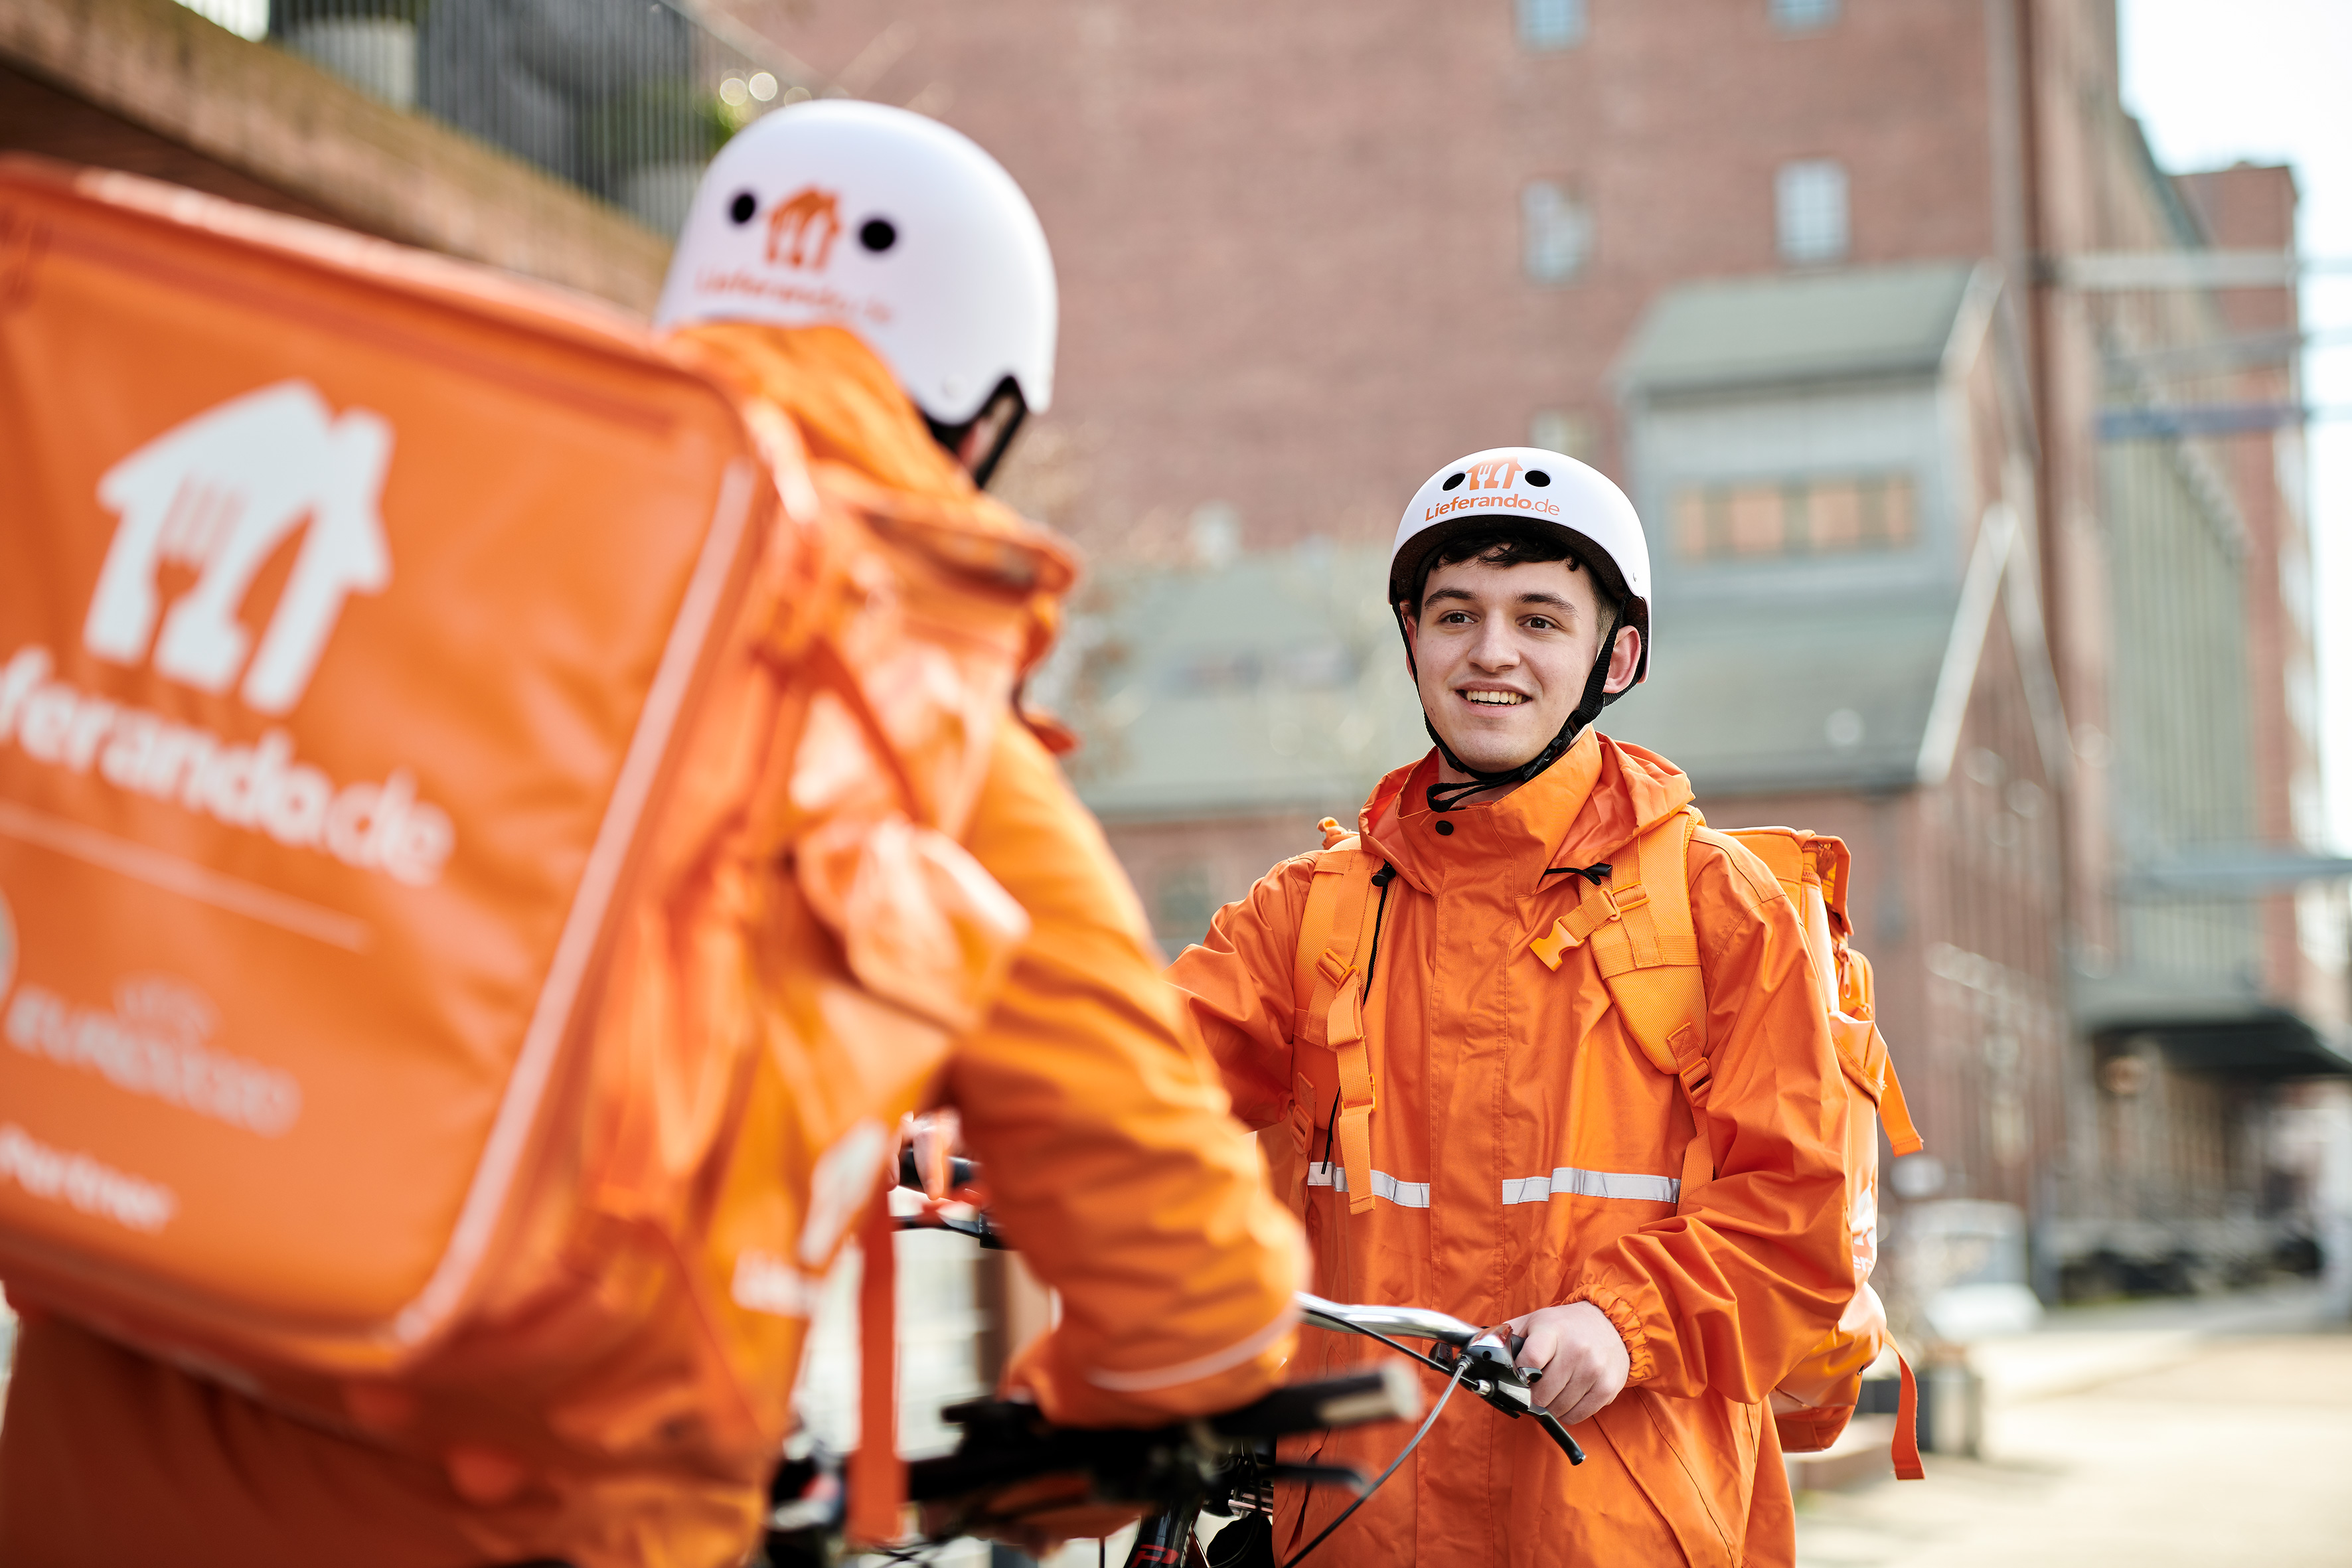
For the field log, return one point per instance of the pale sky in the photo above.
(2213, 82)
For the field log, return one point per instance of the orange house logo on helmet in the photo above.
(801, 231)
(1493, 474)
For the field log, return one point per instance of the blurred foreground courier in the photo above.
(499, 816)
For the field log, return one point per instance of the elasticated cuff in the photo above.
(1644, 1362)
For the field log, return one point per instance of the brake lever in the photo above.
(1559, 1434)
(1511, 1389)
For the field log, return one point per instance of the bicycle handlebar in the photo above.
(961, 1172)
(1396, 1322)
(1387, 1392)
(1006, 1444)
(1495, 1375)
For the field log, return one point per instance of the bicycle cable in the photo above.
(1452, 1384)
(1431, 1361)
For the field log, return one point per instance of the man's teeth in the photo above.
(1497, 699)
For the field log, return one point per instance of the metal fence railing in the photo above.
(627, 100)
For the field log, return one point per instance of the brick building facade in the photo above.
(1800, 273)
(1308, 253)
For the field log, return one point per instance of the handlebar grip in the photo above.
(1388, 1393)
(961, 1172)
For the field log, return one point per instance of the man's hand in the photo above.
(1583, 1358)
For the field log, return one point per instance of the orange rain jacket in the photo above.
(659, 1404)
(1522, 1149)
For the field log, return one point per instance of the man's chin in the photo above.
(1484, 755)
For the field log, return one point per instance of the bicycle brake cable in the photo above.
(1460, 1366)
(1431, 1361)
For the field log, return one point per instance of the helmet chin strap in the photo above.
(1007, 406)
(1596, 696)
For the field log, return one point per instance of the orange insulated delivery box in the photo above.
(350, 601)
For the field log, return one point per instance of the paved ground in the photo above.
(2235, 1449)
(2194, 1434)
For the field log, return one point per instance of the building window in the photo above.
(1555, 233)
(1803, 16)
(1812, 210)
(1828, 516)
(1551, 23)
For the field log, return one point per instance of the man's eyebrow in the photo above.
(1464, 595)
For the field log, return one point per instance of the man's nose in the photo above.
(1494, 648)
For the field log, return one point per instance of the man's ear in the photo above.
(1624, 658)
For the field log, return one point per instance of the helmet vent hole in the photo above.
(878, 234)
(741, 209)
(1452, 481)
(1537, 477)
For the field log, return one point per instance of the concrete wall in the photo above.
(151, 86)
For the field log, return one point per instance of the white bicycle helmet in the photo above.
(891, 225)
(1548, 490)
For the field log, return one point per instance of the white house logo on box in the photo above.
(219, 494)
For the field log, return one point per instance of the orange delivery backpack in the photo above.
(351, 604)
(1638, 923)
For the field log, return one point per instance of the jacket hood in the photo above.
(849, 407)
(852, 416)
(1594, 801)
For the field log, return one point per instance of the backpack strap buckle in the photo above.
(1601, 908)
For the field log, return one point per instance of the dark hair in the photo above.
(1509, 543)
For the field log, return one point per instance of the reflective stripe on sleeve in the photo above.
(1404, 1195)
(1568, 1181)
(1208, 1366)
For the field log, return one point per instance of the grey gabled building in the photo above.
(1836, 469)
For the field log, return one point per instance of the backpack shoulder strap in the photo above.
(1334, 936)
(1645, 945)
(1809, 863)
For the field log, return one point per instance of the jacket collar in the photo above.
(1585, 808)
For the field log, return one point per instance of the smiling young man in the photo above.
(1478, 1129)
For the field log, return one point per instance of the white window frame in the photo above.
(1813, 212)
(1545, 25)
(1555, 236)
(1804, 15)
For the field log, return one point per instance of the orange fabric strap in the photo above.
(1333, 932)
(1344, 1031)
(877, 1476)
(1645, 945)
(1895, 1115)
(1315, 925)
(1907, 1467)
